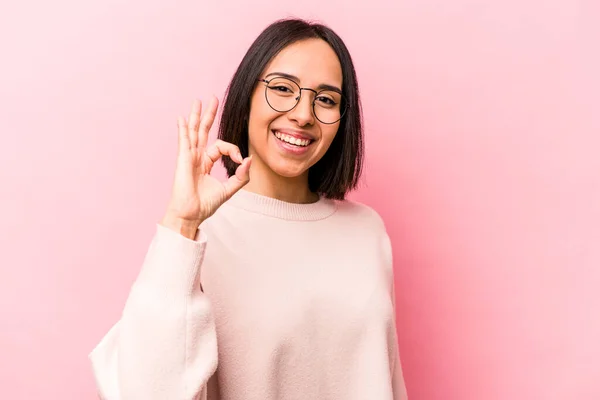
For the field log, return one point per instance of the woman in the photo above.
(279, 290)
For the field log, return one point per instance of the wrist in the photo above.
(184, 227)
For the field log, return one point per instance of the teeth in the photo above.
(292, 140)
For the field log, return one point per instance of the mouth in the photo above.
(292, 140)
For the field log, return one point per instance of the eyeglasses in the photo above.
(283, 95)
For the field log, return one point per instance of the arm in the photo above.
(398, 385)
(164, 346)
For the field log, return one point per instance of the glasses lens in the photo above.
(282, 94)
(328, 106)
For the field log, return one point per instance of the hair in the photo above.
(339, 170)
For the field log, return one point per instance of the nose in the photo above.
(303, 112)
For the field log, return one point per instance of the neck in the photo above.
(265, 182)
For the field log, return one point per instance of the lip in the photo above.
(295, 133)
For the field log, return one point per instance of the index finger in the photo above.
(207, 121)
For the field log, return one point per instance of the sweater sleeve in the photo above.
(164, 346)
(398, 384)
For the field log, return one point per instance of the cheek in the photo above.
(328, 134)
(261, 115)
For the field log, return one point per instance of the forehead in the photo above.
(311, 60)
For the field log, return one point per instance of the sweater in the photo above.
(270, 301)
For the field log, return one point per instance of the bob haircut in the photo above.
(339, 170)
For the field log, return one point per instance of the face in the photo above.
(311, 64)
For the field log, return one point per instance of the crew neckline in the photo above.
(272, 207)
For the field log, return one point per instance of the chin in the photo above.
(288, 169)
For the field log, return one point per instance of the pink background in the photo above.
(483, 142)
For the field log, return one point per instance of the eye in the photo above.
(327, 101)
(282, 89)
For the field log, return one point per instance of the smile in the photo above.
(294, 141)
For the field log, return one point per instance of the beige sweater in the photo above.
(271, 301)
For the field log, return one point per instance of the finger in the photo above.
(194, 122)
(184, 140)
(239, 179)
(207, 121)
(220, 148)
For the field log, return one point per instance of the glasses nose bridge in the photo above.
(311, 104)
(300, 93)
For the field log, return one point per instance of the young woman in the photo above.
(270, 285)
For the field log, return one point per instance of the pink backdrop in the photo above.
(483, 157)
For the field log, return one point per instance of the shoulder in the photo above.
(361, 213)
(371, 225)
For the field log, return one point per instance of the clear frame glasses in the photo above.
(283, 95)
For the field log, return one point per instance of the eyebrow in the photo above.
(322, 86)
